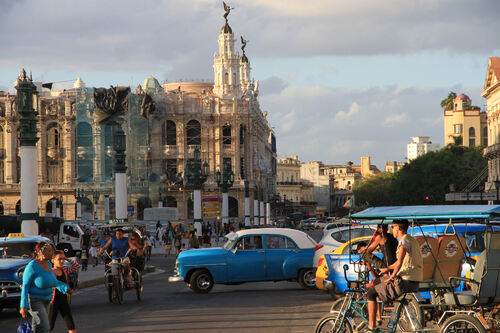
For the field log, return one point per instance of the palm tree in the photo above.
(447, 103)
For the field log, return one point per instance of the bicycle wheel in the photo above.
(412, 314)
(118, 289)
(462, 323)
(332, 323)
(138, 285)
(337, 306)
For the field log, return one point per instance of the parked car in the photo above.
(330, 266)
(271, 254)
(15, 254)
(338, 236)
(319, 224)
(306, 225)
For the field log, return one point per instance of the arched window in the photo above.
(226, 134)
(169, 133)
(84, 143)
(226, 78)
(53, 136)
(234, 78)
(193, 133)
(472, 132)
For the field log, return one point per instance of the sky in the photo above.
(340, 79)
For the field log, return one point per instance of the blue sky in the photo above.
(339, 79)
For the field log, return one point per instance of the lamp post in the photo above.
(119, 145)
(79, 194)
(247, 204)
(262, 212)
(225, 181)
(29, 158)
(196, 174)
(256, 205)
(95, 196)
(497, 185)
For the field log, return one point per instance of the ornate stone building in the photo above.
(164, 124)
(491, 91)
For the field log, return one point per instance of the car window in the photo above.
(367, 232)
(475, 242)
(16, 249)
(69, 230)
(276, 242)
(337, 236)
(249, 243)
(290, 244)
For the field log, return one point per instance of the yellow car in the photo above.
(351, 246)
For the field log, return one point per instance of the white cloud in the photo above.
(289, 121)
(395, 119)
(342, 115)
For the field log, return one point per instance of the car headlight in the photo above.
(20, 273)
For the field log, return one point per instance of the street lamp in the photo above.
(497, 185)
(225, 181)
(95, 195)
(79, 194)
(120, 169)
(196, 174)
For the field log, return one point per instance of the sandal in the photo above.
(379, 322)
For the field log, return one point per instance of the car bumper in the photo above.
(175, 278)
(328, 285)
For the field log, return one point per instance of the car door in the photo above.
(277, 251)
(247, 261)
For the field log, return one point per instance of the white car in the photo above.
(319, 224)
(337, 236)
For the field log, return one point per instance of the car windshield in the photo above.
(16, 249)
(229, 244)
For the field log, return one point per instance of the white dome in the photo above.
(79, 83)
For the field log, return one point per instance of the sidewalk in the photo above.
(159, 250)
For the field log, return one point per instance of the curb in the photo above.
(100, 280)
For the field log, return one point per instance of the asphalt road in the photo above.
(251, 307)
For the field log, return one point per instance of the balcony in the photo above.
(169, 150)
(492, 152)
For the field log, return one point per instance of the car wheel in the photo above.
(307, 278)
(201, 281)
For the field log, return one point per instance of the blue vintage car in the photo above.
(15, 252)
(271, 254)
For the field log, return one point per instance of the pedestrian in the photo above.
(177, 243)
(149, 240)
(36, 293)
(85, 246)
(193, 241)
(59, 302)
(94, 244)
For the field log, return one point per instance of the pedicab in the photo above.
(448, 300)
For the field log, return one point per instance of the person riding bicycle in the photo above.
(405, 273)
(387, 244)
(119, 248)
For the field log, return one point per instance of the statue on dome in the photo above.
(110, 102)
(227, 9)
(244, 42)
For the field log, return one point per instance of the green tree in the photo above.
(425, 180)
(447, 103)
(374, 191)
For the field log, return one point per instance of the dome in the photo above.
(150, 84)
(79, 83)
(461, 97)
(226, 29)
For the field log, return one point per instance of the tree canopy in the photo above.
(447, 103)
(423, 181)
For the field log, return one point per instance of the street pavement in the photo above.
(173, 307)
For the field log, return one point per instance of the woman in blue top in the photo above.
(38, 284)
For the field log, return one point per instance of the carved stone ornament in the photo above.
(110, 103)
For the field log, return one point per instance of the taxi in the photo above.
(15, 254)
(350, 247)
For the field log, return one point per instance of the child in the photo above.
(59, 302)
(85, 260)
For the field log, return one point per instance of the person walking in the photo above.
(37, 290)
(59, 302)
(94, 245)
(85, 246)
(149, 240)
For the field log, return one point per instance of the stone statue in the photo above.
(147, 106)
(110, 102)
(227, 9)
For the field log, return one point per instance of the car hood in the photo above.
(213, 251)
(10, 263)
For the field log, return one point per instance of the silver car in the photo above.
(334, 238)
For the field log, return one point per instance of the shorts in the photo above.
(388, 292)
(93, 251)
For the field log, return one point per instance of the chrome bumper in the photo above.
(175, 278)
(328, 285)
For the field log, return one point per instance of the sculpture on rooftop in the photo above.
(227, 9)
(244, 42)
(110, 102)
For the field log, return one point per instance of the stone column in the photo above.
(268, 213)
(121, 201)
(256, 219)
(225, 208)
(10, 153)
